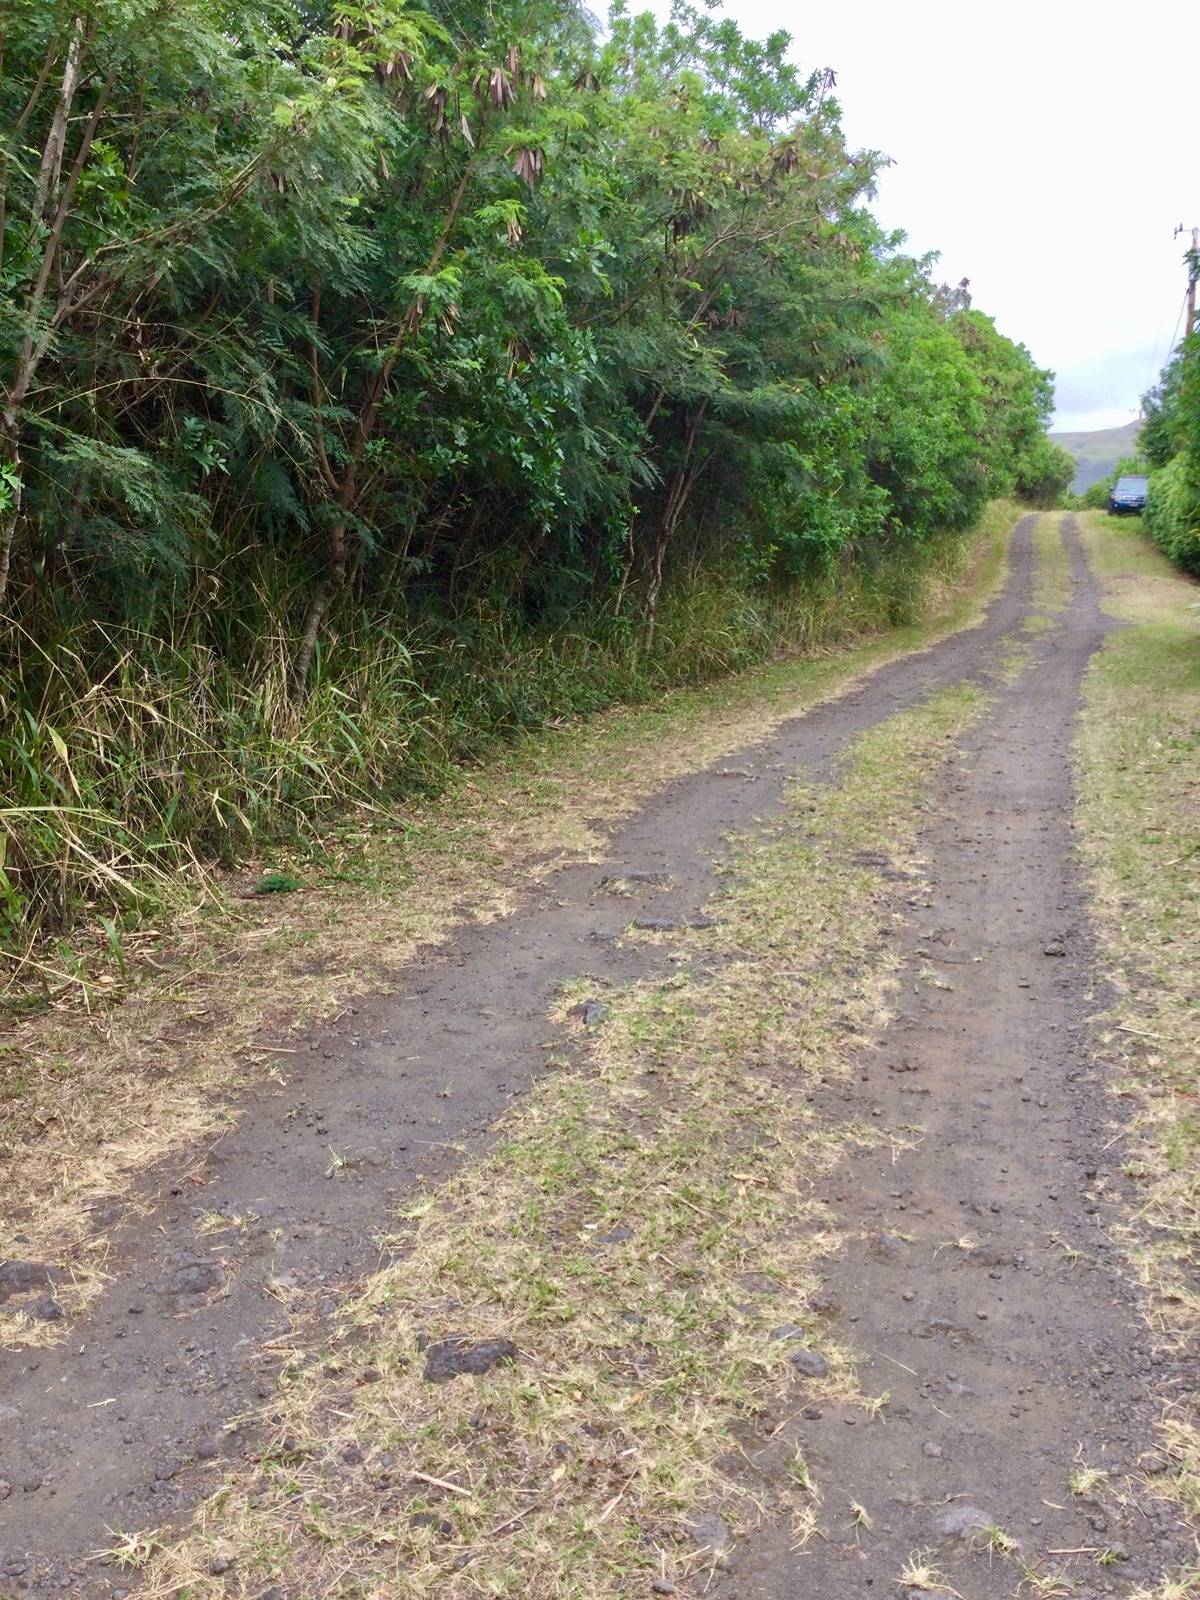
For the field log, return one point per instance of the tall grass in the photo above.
(130, 761)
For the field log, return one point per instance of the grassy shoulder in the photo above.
(1139, 778)
(635, 1264)
(139, 1060)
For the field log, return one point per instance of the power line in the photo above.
(1154, 367)
(1179, 319)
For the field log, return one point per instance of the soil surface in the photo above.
(1001, 1360)
(981, 1292)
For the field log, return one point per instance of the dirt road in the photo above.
(976, 1286)
(981, 1291)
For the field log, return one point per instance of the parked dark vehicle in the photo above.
(1127, 495)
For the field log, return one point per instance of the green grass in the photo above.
(1052, 587)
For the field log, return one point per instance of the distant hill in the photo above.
(1097, 453)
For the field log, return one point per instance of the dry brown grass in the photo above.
(640, 1228)
(1139, 774)
(93, 1095)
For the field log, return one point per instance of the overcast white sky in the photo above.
(1043, 149)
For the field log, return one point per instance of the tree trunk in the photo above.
(317, 608)
(685, 478)
(10, 459)
(45, 196)
(626, 571)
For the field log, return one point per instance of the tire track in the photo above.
(981, 1292)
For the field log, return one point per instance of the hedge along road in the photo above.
(953, 1241)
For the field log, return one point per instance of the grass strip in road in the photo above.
(1139, 780)
(90, 1098)
(1052, 586)
(646, 1234)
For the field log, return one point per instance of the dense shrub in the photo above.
(1173, 511)
(1170, 442)
(377, 377)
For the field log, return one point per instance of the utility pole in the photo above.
(1192, 257)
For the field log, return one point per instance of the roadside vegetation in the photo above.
(645, 1237)
(1139, 755)
(1168, 448)
(379, 380)
(199, 1019)
(1170, 443)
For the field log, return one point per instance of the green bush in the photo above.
(111, 787)
(1173, 512)
(379, 379)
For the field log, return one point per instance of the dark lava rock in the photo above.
(710, 1533)
(46, 1309)
(426, 1519)
(104, 1211)
(452, 1357)
(19, 1277)
(962, 1521)
(804, 1360)
(592, 1012)
(890, 1248)
(758, 1283)
(198, 1278)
